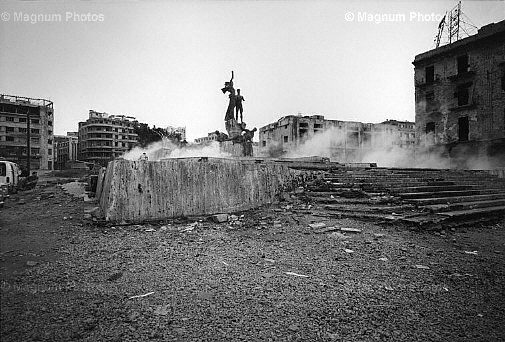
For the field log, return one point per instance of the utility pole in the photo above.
(28, 149)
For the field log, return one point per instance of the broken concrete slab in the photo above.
(136, 191)
(220, 218)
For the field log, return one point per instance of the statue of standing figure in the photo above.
(238, 106)
(228, 87)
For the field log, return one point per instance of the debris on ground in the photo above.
(141, 296)
(296, 274)
(317, 225)
(350, 230)
(422, 267)
(220, 218)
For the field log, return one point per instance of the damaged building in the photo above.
(65, 150)
(460, 100)
(104, 137)
(344, 141)
(26, 131)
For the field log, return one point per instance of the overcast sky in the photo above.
(165, 62)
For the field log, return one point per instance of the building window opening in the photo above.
(463, 128)
(264, 143)
(430, 127)
(430, 74)
(463, 94)
(430, 133)
(304, 124)
(318, 126)
(430, 102)
(463, 64)
(286, 138)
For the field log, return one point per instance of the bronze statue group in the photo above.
(231, 118)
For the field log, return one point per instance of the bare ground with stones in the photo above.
(269, 276)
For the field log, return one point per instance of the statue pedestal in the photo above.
(234, 149)
(233, 128)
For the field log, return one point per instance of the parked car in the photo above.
(9, 175)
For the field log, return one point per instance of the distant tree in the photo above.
(148, 135)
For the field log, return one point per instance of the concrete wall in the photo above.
(136, 191)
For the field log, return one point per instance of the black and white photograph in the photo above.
(252, 170)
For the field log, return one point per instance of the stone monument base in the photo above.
(233, 128)
(236, 149)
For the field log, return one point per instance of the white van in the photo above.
(9, 174)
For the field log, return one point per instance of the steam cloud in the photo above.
(166, 149)
(383, 151)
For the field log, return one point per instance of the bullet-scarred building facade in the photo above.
(23, 120)
(460, 99)
(345, 141)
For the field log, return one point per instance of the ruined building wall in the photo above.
(344, 141)
(136, 191)
(460, 98)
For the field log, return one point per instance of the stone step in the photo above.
(387, 209)
(437, 194)
(344, 179)
(410, 189)
(463, 205)
(343, 200)
(455, 199)
(500, 209)
(383, 184)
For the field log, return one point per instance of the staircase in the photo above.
(417, 196)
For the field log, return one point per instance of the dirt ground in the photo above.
(271, 275)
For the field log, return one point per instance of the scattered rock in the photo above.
(115, 276)
(95, 212)
(162, 310)
(31, 263)
(297, 274)
(326, 230)
(378, 235)
(220, 218)
(383, 259)
(338, 236)
(350, 230)
(348, 250)
(317, 225)
(422, 267)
